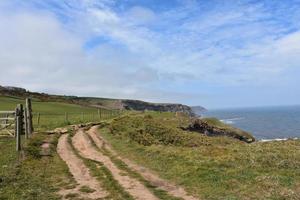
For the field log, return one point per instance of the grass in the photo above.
(86, 189)
(218, 167)
(32, 178)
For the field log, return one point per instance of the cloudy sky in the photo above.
(216, 53)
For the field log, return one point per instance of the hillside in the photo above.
(106, 103)
(142, 155)
(207, 167)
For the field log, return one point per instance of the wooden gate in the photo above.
(7, 123)
(16, 123)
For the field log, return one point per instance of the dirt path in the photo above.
(136, 189)
(154, 179)
(79, 171)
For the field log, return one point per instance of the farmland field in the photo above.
(53, 114)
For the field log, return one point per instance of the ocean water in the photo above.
(264, 122)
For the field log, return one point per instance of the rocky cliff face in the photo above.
(206, 128)
(142, 106)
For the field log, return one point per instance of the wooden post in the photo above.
(99, 114)
(26, 122)
(29, 116)
(21, 115)
(66, 117)
(6, 121)
(38, 119)
(18, 134)
(16, 121)
(19, 126)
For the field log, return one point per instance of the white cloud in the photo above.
(141, 53)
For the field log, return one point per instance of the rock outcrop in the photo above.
(163, 107)
(203, 127)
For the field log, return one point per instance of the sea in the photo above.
(264, 123)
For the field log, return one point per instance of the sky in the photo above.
(216, 53)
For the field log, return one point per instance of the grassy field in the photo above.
(208, 167)
(52, 114)
(38, 177)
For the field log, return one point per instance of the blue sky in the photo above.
(217, 53)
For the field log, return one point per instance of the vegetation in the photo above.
(34, 177)
(208, 167)
(212, 167)
(29, 175)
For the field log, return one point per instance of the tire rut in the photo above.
(85, 148)
(154, 179)
(79, 171)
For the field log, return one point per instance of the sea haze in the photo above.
(263, 122)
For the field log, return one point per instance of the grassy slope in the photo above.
(218, 167)
(36, 178)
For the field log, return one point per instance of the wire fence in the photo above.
(52, 120)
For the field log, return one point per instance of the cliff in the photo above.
(164, 107)
(198, 109)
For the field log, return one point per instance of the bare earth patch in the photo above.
(79, 171)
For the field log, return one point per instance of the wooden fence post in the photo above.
(6, 121)
(21, 114)
(38, 119)
(19, 125)
(66, 117)
(99, 114)
(16, 121)
(26, 122)
(29, 116)
(18, 134)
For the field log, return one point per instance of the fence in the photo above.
(22, 121)
(7, 123)
(16, 123)
(44, 120)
